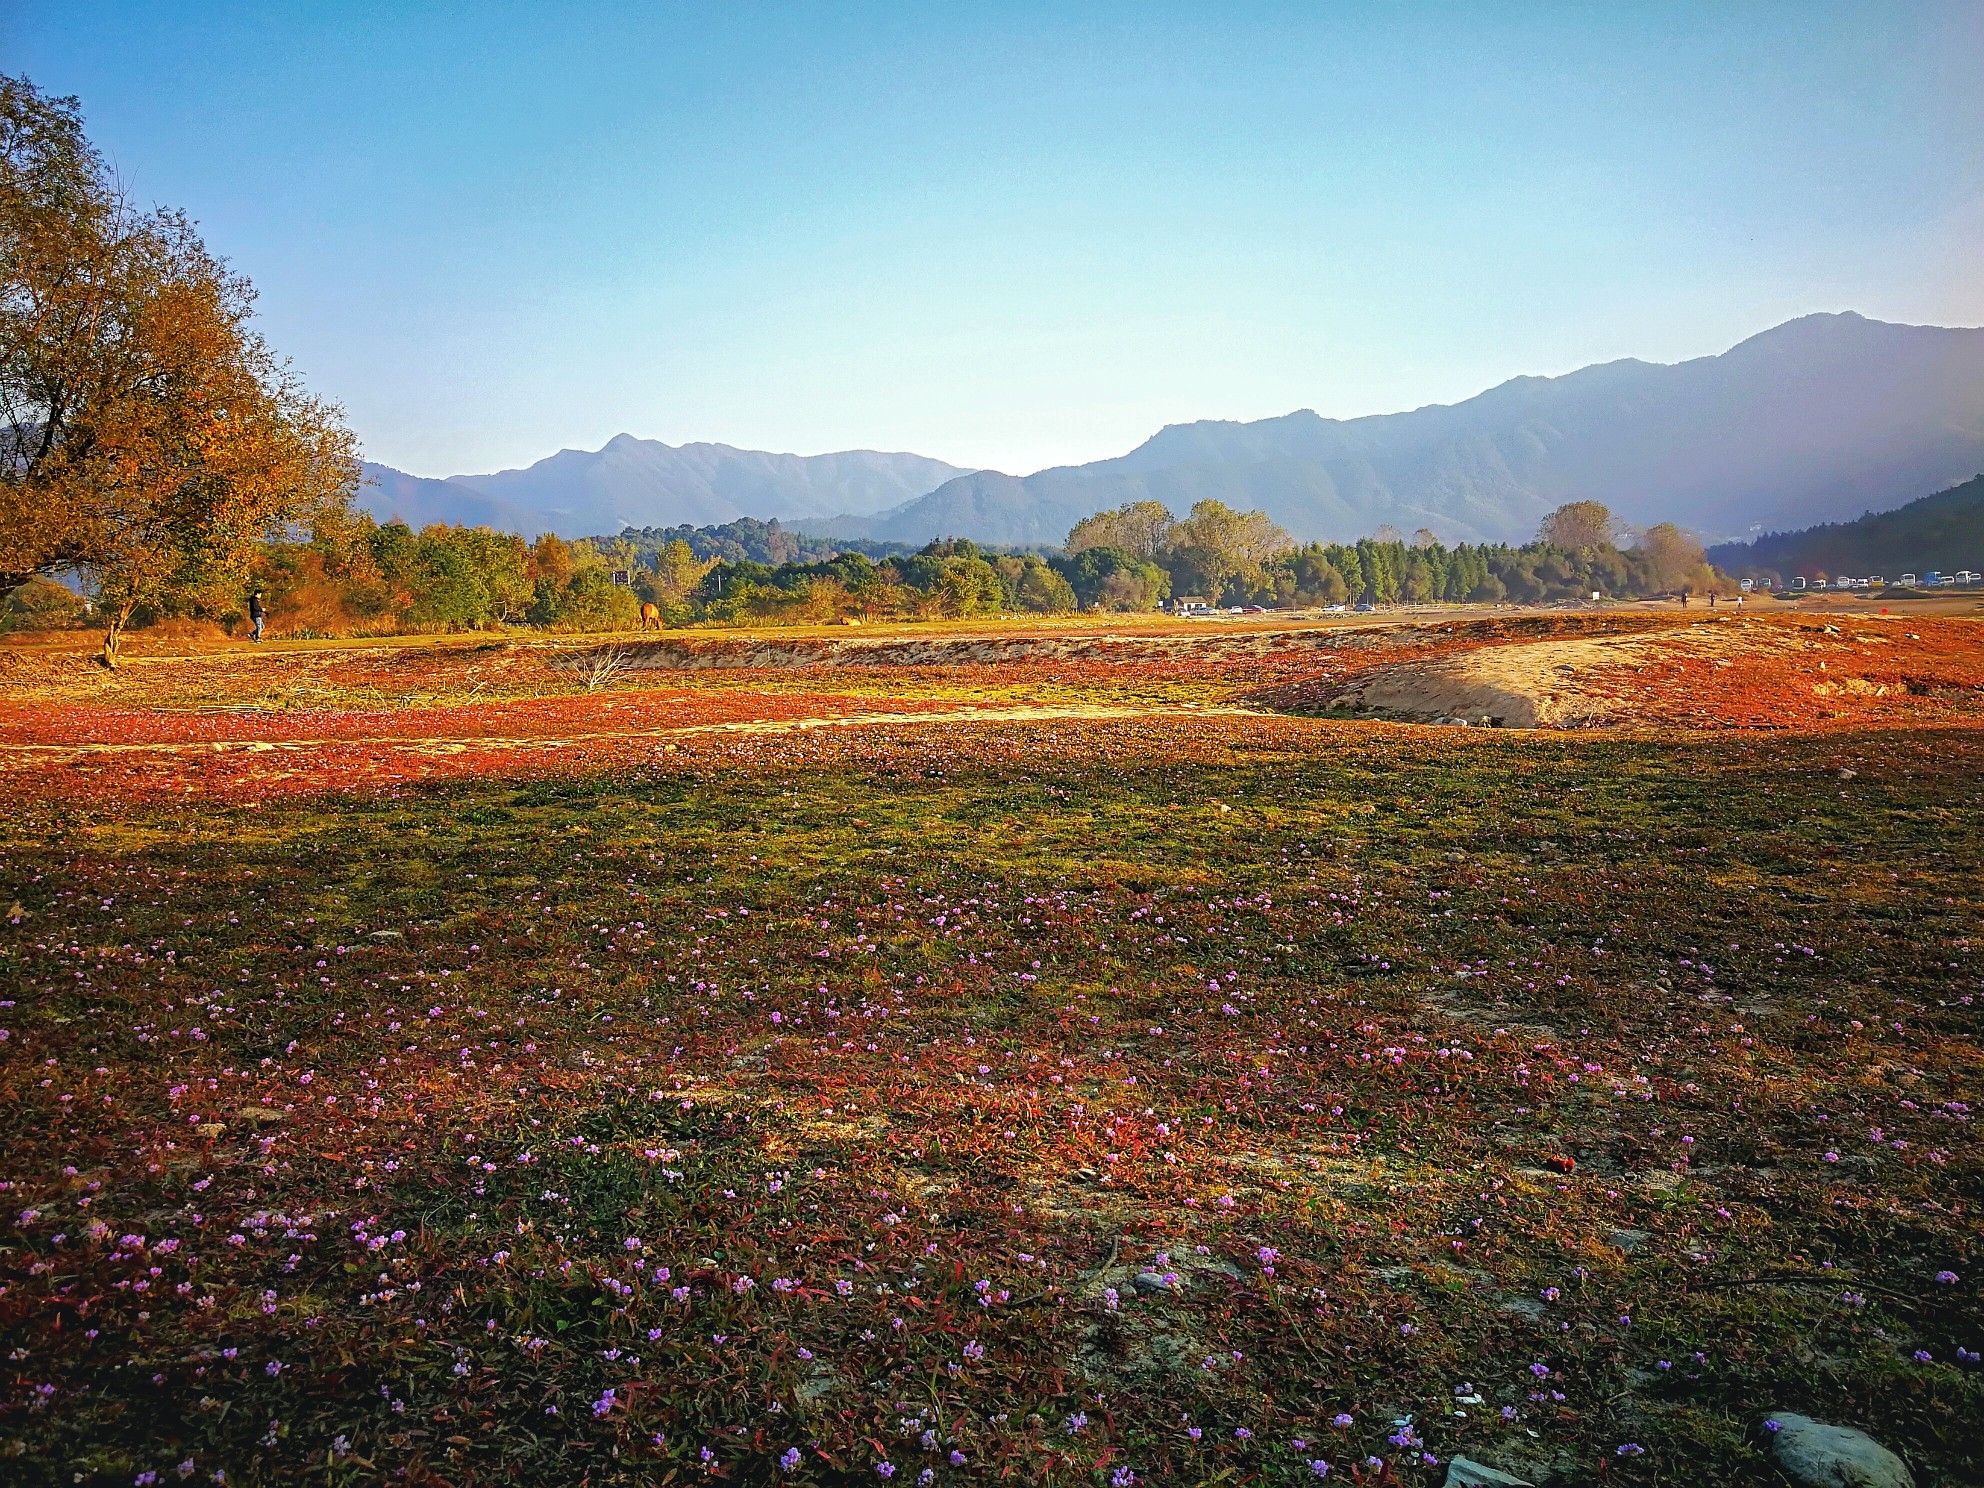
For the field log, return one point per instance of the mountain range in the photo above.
(644, 483)
(1817, 420)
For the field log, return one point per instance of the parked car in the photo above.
(1366, 609)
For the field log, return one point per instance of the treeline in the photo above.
(945, 580)
(1137, 557)
(1241, 558)
(355, 577)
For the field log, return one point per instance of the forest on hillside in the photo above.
(1944, 532)
(746, 540)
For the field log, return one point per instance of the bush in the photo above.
(1029, 584)
(592, 601)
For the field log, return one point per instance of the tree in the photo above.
(1030, 584)
(1579, 526)
(677, 572)
(41, 604)
(151, 439)
(1216, 544)
(967, 585)
(552, 563)
(1140, 528)
(1114, 579)
(1313, 579)
(1674, 558)
(594, 602)
(1380, 574)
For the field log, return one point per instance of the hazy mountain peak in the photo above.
(1820, 418)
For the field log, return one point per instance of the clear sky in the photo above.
(1016, 235)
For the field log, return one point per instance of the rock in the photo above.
(259, 1115)
(1628, 1240)
(1463, 1472)
(1153, 1282)
(816, 1386)
(1822, 1456)
(385, 935)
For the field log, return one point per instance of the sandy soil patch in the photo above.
(1756, 673)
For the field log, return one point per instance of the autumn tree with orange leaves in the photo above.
(149, 438)
(1580, 526)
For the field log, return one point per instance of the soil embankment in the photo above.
(1713, 673)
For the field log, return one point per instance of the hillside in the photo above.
(643, 483)
(1944, 531)
(747, 540)
(1816, 420)
(390, 494)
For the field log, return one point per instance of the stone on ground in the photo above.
(1824, 1456)
(1464, 1472)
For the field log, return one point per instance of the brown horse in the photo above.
(650, 616)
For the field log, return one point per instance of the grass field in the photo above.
(432, 1065)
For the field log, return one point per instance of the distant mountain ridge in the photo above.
(420, 502)
(633, 482)
(1944, 531)
(1818, 419)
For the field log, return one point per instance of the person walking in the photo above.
(255, 612)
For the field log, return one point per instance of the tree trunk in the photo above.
(115, 633)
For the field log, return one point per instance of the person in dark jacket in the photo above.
(255, 612)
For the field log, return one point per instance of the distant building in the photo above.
(1191, 604)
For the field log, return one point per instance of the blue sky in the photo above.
(1017, 235)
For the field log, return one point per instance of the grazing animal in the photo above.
(650, 615)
